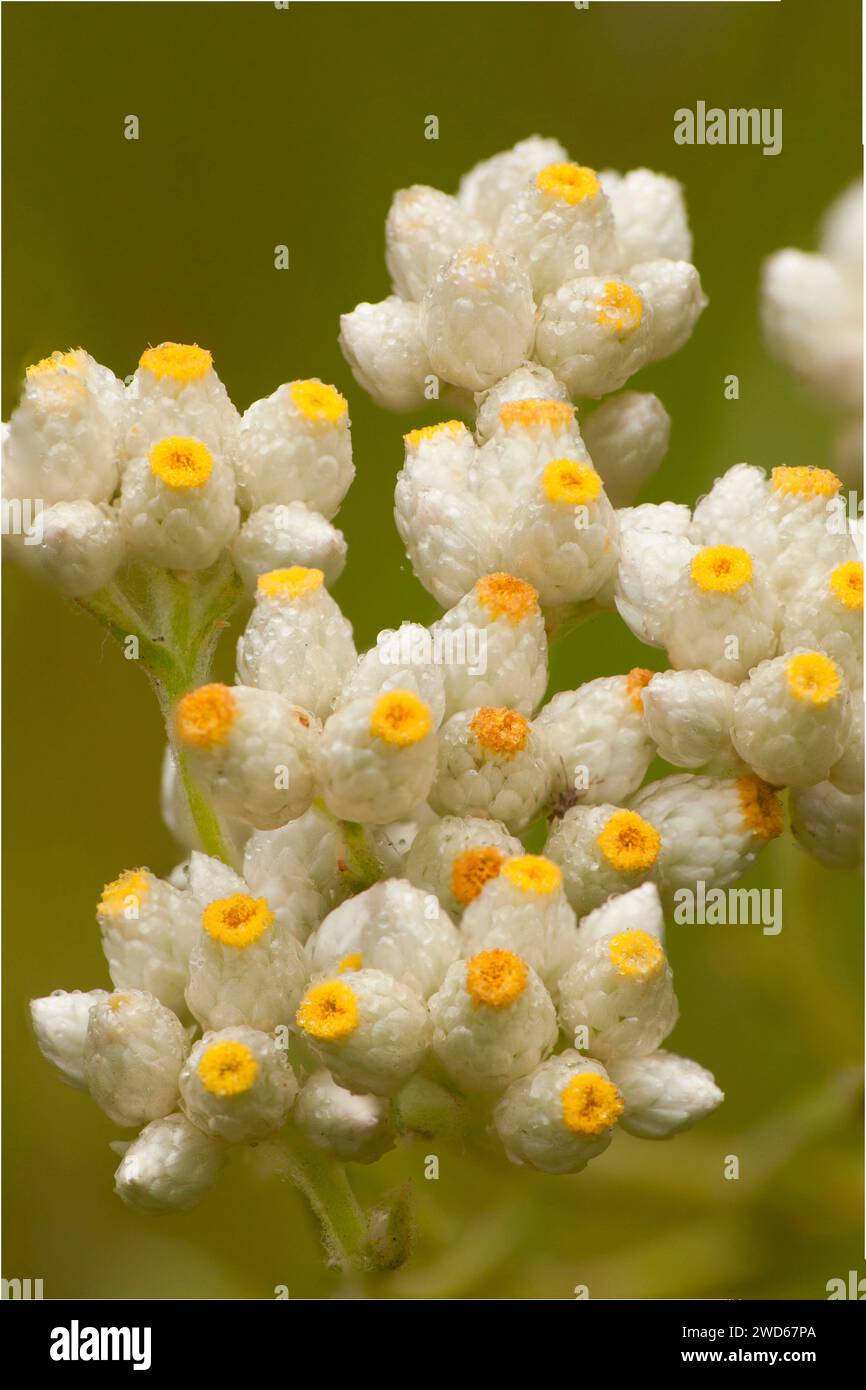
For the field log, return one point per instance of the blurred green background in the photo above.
(262, 126)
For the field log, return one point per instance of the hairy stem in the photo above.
(323, 1183)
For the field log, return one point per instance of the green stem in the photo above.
(323, 1182)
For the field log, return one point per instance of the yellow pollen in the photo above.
(205, 716)
(570, 482)
(805, 482)
(636, 681)
(496, 978)
(116, 895)
(181, 463)
(571, 182)
(118, 1002)
(619, 307)
(400, 718)
(428, 432)
(532, 873)
(721, 569)
(500, 730)
(761, 808)
(556, 415)
(351, 962)
(181, 361)
(846, 582)
(237, 921)
(507, 597)
(294, 582)
(636, 953)
(472, 869)
(228, 1069)
(590, 1104)
(629, 843)
(812, 677)
(316, 401)
(329, 1011)
(58, 361)
(476, 255)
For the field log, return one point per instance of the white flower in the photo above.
(354, 1128)
(378, 757)
(60, 1024)
(523, 909)
(273, 869)
(382, 344)
(253, 749)
(650, 216)
(601, 850)
(828, 615)
(688, 717)
(296, 641)
(493, 1020)
(394, 928)
(829, 824)
(627, 438)
(791, 718)
(492, 762)
(282, 535)
(560, 1116)
(296, 446)
(370, 1030)
(598, 737)
(721, 614)
(169, 1167)
(81, 548)
(237, 1085)
(177, 504)
(61, 441)
(528, 382)
(663, 1093)
(401, 660)
(133, 1052)
(478, 318)
(148, 929)
(488, 188)
(594, 333)
(176, 391)
(498, 627)
(457, 855)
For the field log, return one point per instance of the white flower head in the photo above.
(663, 1094)
(792, 717)
(457, 855)
(492, 762)
(133, 1052)
(171, 1166)
(296, 446)
(354, 1128)
(560, 1116)
(524, 909)
(177, 504)
(378, 757)
(60, 1024)
(237, 1085)
(370, 1030)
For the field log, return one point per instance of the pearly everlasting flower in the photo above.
(709, 829)
(602, 850)
(170, 1166)
(524, 909)
(378, 757)
(627, 438)
(650, 216)
(382, 343)
(456, 856)
(176, 392)
(394, 928)
(246, 967)
(254, 750)
(283, 535)
(499, 623)
(370, 1030)
(81, 547)
(296, 446)
(148, 929)
(493, 1020)
(688, 717)
(598, 737)
(354, 1128)
(177, 504)
(492, 762)
(477, 319)
(402, 659)
(274, 870)
(594, 333)
(528, 382)
(564, 540)
(829, 824)
(791, 718)
(297, 641)
(663, 1094)
(133, 1052)
(560, 1116)
(237, 1085)
(829, 616)
(60, 1024)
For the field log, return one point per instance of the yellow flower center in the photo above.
(761, 808)
(496, 978)
(237, 921)
(805, 482)
(181, 361)
(721, 569)
(629, 843)
(620, 307)
(472, 869)
(427, 432)
(135, 885)
(812, 677)
(400, 718)
(58, 361)
(532, 873)
(590, 1104)
(573, 183)
(507, 597)
(329, 1011)
(316, 401)
(846, 582)
(181, 463)
(636, 682)
(205, 716)
(570, 482)
(292, 583)
(555, 415)
(636, 953)
(502, 731)
(228, 1069)
(354, 961)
